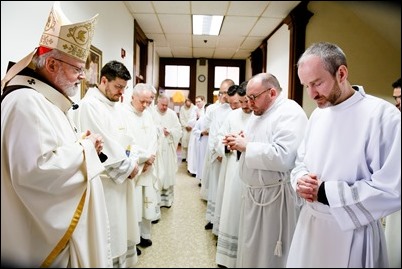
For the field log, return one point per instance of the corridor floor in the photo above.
(179, 238)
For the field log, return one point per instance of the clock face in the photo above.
(201, 78)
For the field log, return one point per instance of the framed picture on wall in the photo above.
(92, 70)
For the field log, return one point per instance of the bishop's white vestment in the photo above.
(45, 169)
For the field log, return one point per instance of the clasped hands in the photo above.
(235, 141)
(96, 139)
(148, 163)
(307, 187)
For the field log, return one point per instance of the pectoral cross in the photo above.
(144, 127)
(147, 201)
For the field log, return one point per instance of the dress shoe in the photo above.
(155, 221)
(145, 243)
(138, 251)
(184, 160)
(208, 226)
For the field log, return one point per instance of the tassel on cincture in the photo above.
(278, 249)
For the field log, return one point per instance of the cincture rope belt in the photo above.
(278, 247)
(64, 240)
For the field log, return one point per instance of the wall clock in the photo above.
(201, 78)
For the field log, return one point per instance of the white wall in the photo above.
(278, 57)
(201, 88)
(22, 25)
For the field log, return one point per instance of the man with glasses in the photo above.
(53, 211)
(215, 115)
(269, 143)
(101, 110)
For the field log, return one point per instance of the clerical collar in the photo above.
(29, 78)
(50, 93)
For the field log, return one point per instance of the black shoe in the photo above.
(199, 184)
(208, 226)
(145, 243)
(155, 221)
(184, 160)
(138, 251)
(193, 175)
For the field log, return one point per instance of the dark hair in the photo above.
(232, 90)
(115, 69)
(397, 84)
(243, 88)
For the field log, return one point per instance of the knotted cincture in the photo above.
(278, 249)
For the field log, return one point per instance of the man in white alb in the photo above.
(184, 117)
(268, 212)
(228, 234)
(142, 128)
(347, 192)
(101, 110)
(166, 159)
(212, 163)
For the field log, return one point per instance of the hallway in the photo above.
(179, 238)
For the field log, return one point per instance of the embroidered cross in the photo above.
(144, 127)
(31, 81)
(147, 201)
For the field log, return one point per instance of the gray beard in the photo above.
(71, 91)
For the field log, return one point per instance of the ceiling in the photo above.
(246, 24)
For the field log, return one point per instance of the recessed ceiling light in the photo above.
(207, 24)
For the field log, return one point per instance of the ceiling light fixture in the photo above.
(207, 24)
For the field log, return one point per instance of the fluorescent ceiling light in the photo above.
(207, 25)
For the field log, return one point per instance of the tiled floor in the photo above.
(179, 239)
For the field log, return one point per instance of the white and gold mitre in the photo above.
(73, 39)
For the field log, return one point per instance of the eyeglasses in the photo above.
(120, 87)
(79, 70)
(253, 97)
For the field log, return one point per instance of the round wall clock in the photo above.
(201, 78)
